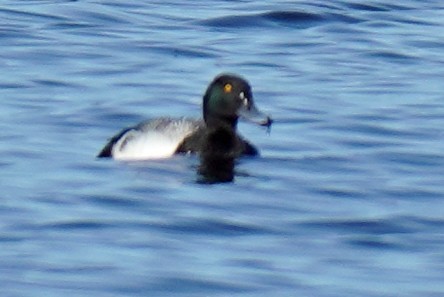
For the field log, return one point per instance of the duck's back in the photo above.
(153, 139)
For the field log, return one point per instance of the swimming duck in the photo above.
(227, 98)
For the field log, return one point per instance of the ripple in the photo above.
(342, 193)
(412, 158)
(291, 16)
(392, 56)
(211, 227)
(55, 83)
(376, 130)
(32, 15)
(412, 194)
(70, 25)
(244, 21)
(375, 243)
(371, 226)
(14, 85)
(115, 201)
(345, 189)
(180, 51)
(190, 285)
(254, 20)
(367, 7)
(77, 225)
(99, 17)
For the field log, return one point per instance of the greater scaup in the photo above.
(227, 98)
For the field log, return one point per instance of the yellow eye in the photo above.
(227, 88)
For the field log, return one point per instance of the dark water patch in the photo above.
(394, 21)
(93, 168)
(328, 164)
(425, 44)
(130, 85)
(4, 164)
(341, 193)
(426, 223)
(69, 25)
(370, 226)
(245, 21)
(45, 56)
(87, 55)
(308, 111)
(427, 106)
(288, 18)
(125, 4)
(290, 121)
(100, 18)
(76, 225)
(29, 16)
(55, 83)
(369, 144)
(48, 1)
(344, 18)
(24, 153)
(375, 243)
(60, 226)
(212, 227)
(11, 85)
(252, 263)
(374, 130)
(299, 116)
(378, 6)
(367, 7)
(411, 193)
(291, 17)
(5, 238)
(195, 285)
(20, 36)
(261, 64)
(81, 269)
(428, 111)
(379, 24)
(110, 71)
(415, 159)
(115, 201)
(398, 7)
(178, 51)
(377, 116)
(405, 20)
(392, 57)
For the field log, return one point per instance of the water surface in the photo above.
(345, 200)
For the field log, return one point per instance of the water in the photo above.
(346, 199)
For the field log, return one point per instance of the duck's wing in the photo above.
(194, 142)
(153, 139)
(246, 148)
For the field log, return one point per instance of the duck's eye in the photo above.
(228, 88)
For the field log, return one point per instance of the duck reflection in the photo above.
(217, 157)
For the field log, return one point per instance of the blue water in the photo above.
(345, 200)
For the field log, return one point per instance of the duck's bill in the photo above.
(255, 116)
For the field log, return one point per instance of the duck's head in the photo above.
(229, 97)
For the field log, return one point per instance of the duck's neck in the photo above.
(227, 123)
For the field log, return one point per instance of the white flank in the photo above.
(153, 140)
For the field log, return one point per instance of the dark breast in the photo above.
(216, 142)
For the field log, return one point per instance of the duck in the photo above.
(214, 137)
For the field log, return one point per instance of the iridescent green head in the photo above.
(229, 97)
